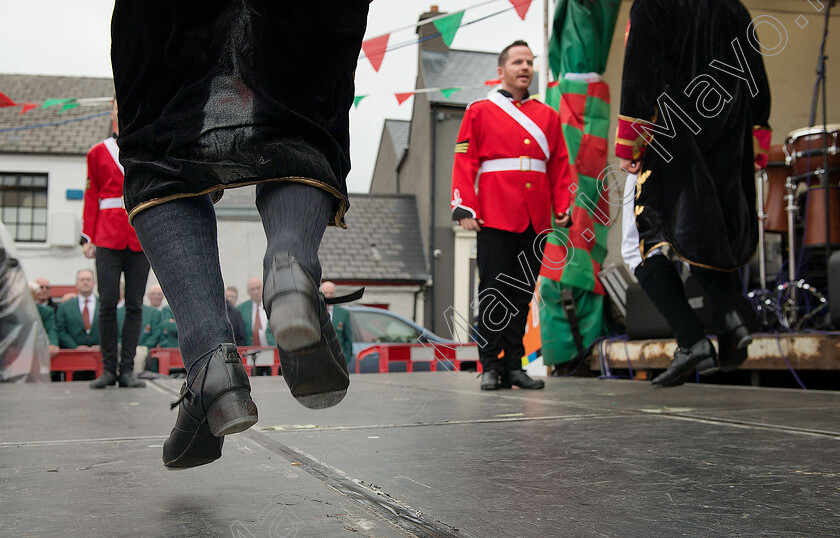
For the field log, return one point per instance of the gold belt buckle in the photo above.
(522, 163)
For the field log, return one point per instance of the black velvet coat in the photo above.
(693, 69)
(225, 93)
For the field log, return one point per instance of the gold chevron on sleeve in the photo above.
(462, 147)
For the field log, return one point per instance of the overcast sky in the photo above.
(61, 37)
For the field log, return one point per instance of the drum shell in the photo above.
(804, 150)
(815, 215)
(775, 204)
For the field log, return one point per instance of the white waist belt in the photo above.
(111, 203)
(520, 164)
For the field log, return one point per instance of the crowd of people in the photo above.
(72, 321)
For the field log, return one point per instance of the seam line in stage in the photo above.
(403, 517)
(12, 444)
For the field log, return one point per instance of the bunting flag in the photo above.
(5, 101)
(69, 105)
(448, 26)
(55, 102)
(521, 7)
(447, 92)
(358, 99)
(375, 50)
(27, 106)
(403, 97)
(492, 82)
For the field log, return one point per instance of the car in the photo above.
(373, 326)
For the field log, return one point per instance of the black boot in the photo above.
(490, 380)
(127, 380)
(519, 378)
(733, 341)
(217, 403)
(311, 359)
(107, 378)
(685, 361)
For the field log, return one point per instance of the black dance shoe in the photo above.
(518, 378)
(685, 361)
(217, 403)
(311, 359)
(105, 380)
(733, 341)
(490, 380)
(128, 380)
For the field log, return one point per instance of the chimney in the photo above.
(426, 30)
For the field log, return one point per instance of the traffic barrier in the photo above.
(69, 361)
(384, 358)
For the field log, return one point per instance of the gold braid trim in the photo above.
(339, 216)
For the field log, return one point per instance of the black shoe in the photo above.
(311, 359)
(217, 403)
(519, 378)
(685, 361)
(733, 341)
(129, 381)
(106, 379)
(490, 380)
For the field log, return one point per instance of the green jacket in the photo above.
(245, 309)
(71, 330)
(341, 323)
(151, 329)
(48, 319)
(169, 335)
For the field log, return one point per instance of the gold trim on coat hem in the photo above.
(686, 260)
(339, 216)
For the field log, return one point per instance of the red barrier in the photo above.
(438, 357)
(69, 361)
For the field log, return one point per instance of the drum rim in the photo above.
(817, 129)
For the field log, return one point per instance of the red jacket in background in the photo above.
(511, 199)
(104, 219)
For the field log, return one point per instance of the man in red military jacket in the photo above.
(108, 237)
(511, 169)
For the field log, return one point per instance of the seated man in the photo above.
(47, 317)
(341, 321)
(168, 330)
(255, 317)
(235, 316)
(77, 320)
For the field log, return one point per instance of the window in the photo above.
(23, 206)
(375, 327)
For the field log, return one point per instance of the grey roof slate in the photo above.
(382, 242)
(70, 138)
(399, 131)
(460, 68)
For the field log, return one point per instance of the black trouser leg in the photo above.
(659, 278)
(295, 217)
(721, 287)
(108, 270)
(136, 271)
(525, 269)
(179, 238)
(501, 319)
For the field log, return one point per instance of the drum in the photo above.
(774, 204)
(804, 148)
(805, 152)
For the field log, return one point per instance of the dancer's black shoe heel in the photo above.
(311, 359)
(217, 403)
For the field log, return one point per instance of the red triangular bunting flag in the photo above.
(402, 97)
(521, 7)
(492, 82)
(375, 50)
(553, 83)
(5, 101)
(27, 107)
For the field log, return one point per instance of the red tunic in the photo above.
(104, 219)
(512, 199)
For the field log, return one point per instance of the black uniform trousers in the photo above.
(508, 265)
(110, 264)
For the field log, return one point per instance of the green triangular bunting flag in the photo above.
(358, 99)
(69, 105)
(448, 91)
(447, 27)
(55, 102)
